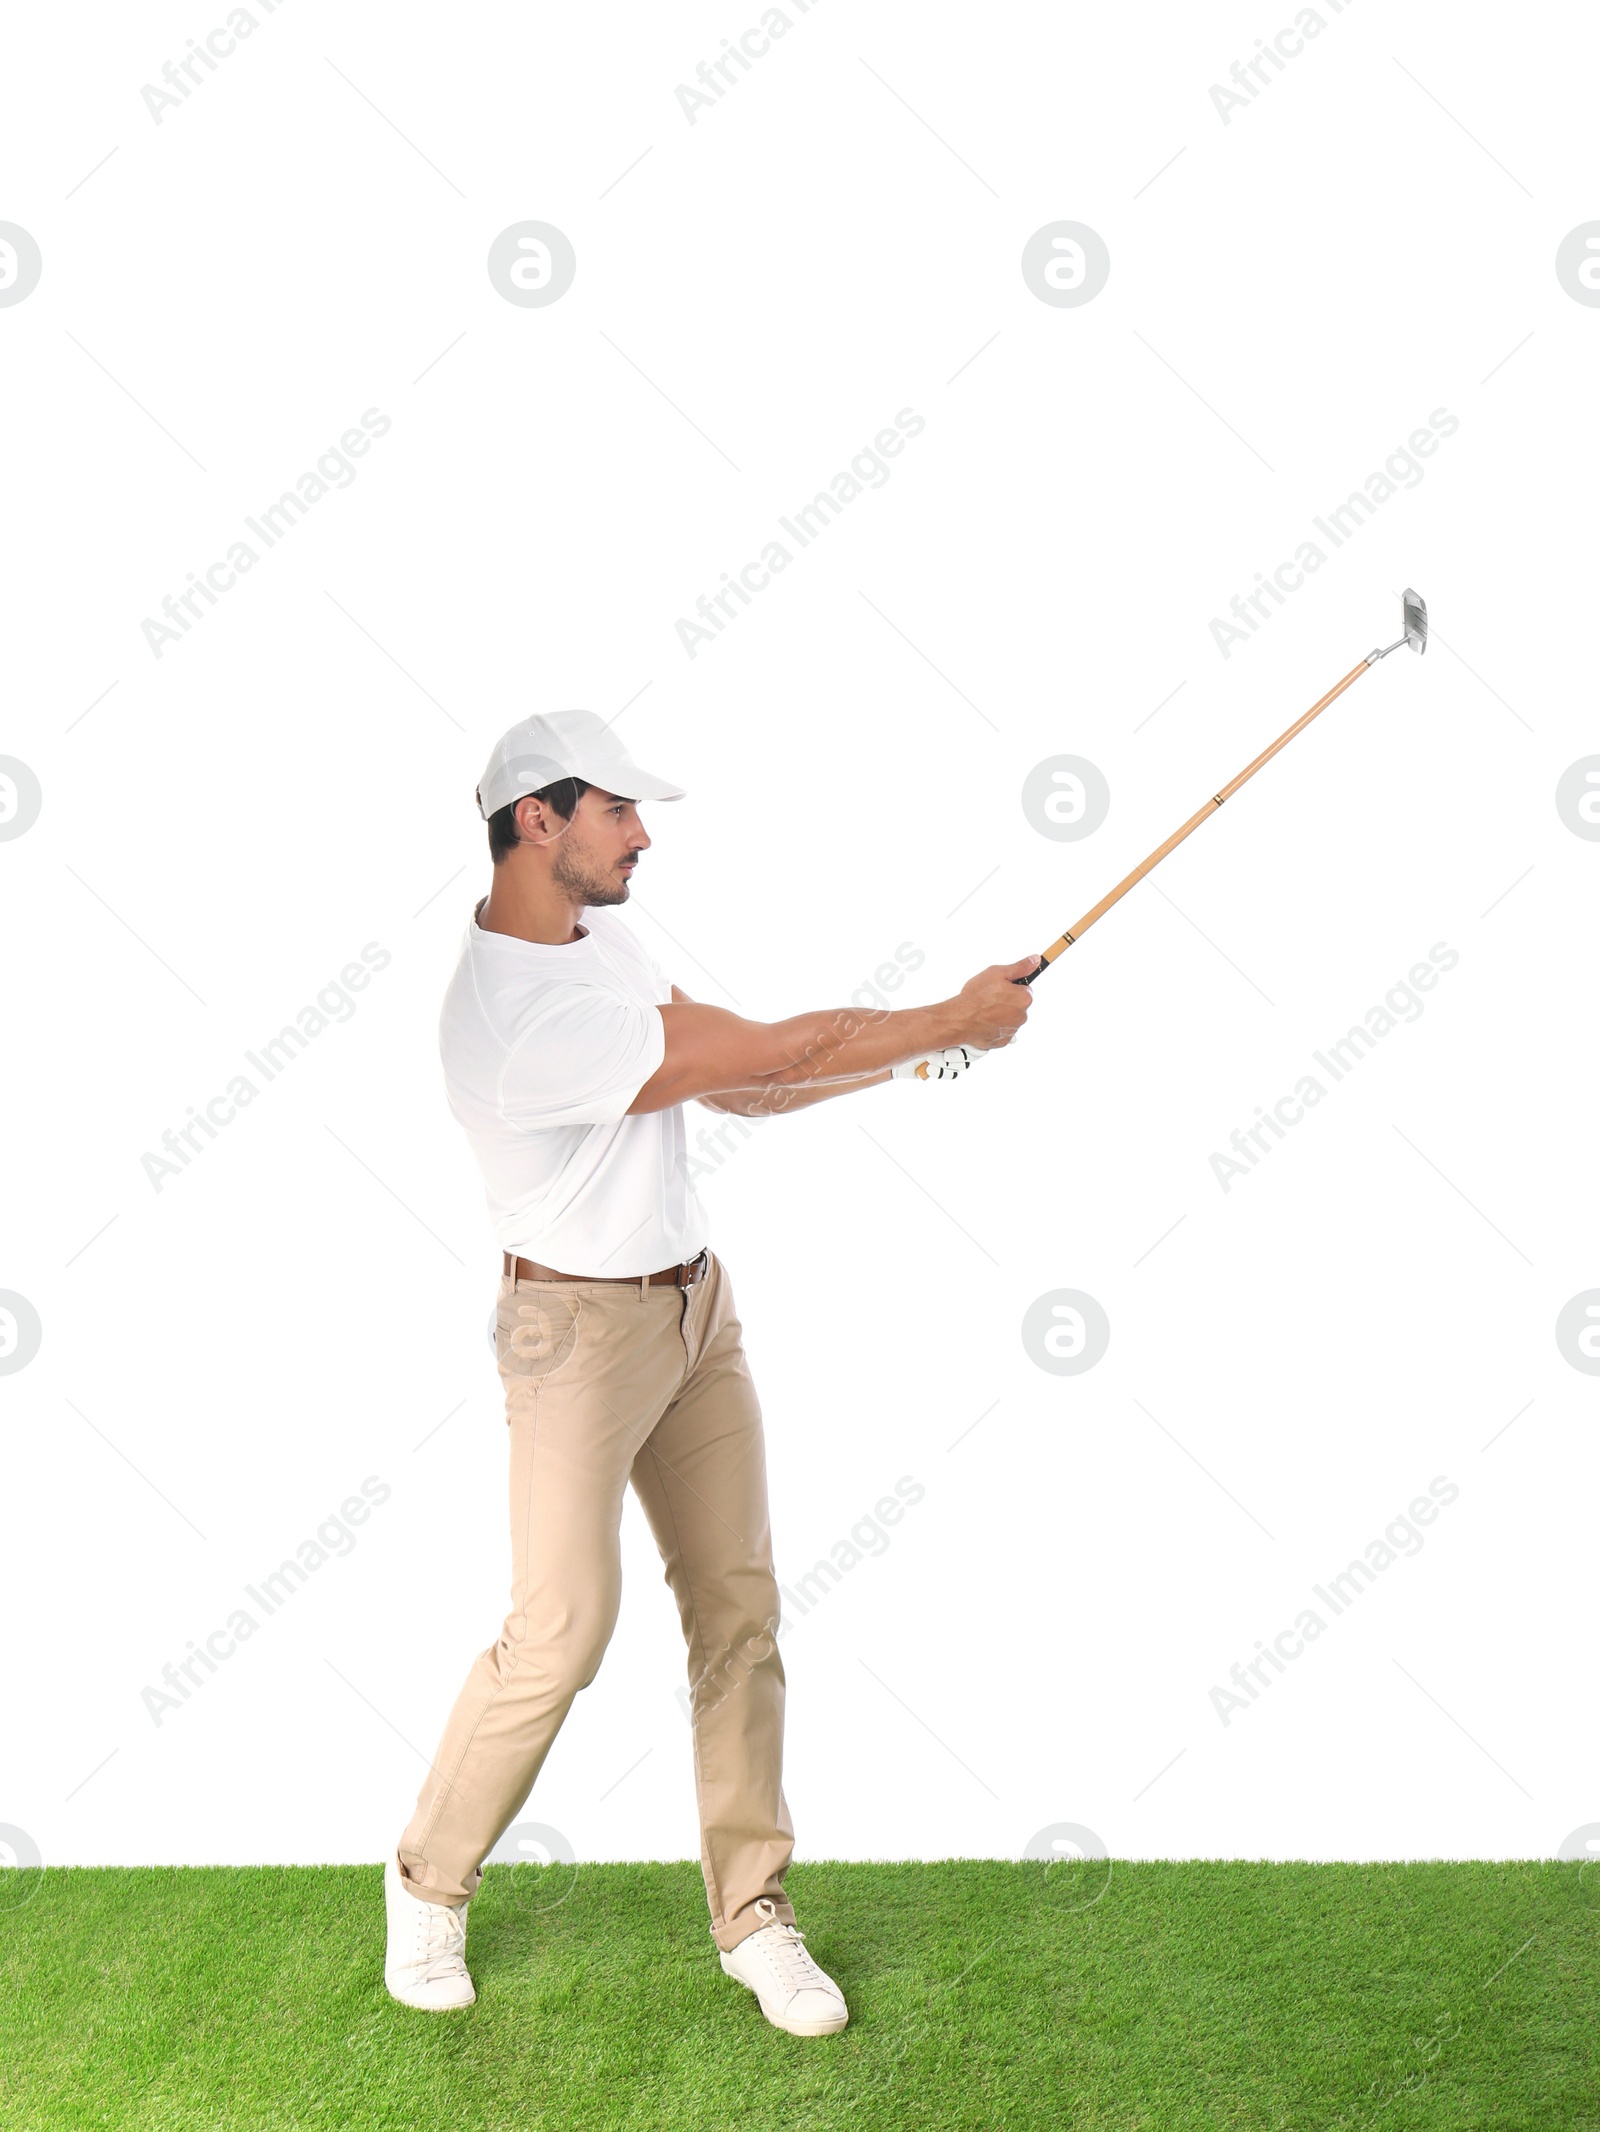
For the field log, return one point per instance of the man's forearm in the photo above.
(826, 1052)
(759, 1103)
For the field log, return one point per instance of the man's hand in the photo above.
(938, 1066)
(991, 1007)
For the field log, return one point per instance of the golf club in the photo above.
(1414, 631)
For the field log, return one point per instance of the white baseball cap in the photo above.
(542, 750)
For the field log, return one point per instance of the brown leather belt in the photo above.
(684, 1276)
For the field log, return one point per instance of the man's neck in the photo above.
(530, 910)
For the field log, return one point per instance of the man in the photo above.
(568, 1058)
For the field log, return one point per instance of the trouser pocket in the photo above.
(534, 1336)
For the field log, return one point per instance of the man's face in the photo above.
(593, 859)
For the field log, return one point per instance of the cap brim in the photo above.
(641, 786)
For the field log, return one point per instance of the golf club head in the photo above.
(1414, 608)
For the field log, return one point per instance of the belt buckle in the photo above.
(695, 1268)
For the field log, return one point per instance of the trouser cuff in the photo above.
(728, 1934)
(416, 1878)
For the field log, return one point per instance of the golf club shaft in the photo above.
(1076, 932)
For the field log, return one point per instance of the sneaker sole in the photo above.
(429, 2006)
(806, 2028)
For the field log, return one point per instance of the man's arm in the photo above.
(746, 1103)
(712, 1052)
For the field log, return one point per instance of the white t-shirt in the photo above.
(544, 1048)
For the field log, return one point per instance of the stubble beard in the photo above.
(581, 880)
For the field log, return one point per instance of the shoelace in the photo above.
(441, 1942)
(784, 1947)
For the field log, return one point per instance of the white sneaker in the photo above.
(425, 1963)
(793, 1992)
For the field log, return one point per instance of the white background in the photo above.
(1291, 1362)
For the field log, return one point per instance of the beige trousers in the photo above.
(607, 1383)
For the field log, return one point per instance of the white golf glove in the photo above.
(938, 1066)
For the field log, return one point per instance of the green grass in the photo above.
(1374, 1998)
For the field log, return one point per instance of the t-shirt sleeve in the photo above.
(582, 1062)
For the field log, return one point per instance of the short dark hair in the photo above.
(562, 797)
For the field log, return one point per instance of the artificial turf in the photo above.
(983, 1995)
